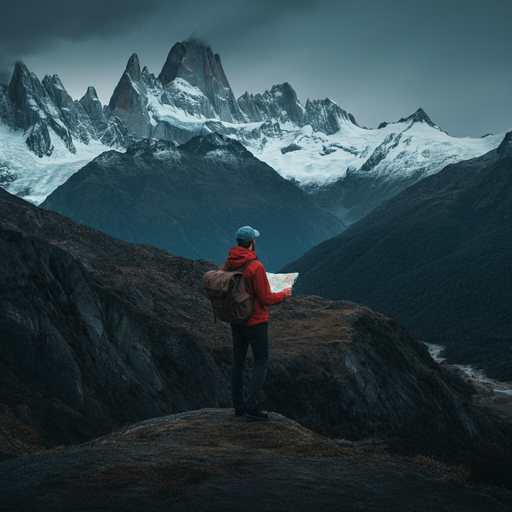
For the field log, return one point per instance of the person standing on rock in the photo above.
(254, 331)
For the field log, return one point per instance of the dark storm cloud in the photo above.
(31, 26)
(236, 20)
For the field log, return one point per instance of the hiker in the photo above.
(253, 332)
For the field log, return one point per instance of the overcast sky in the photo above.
(378, 59)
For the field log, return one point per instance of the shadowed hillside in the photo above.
(438, 257)
(192, 199)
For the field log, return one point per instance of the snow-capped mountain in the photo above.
(353, 170)
(347, 168)
(45, 136)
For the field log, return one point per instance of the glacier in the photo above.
(26, 175)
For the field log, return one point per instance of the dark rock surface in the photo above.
(191, 200)
(72, 112)
(281, 104)
(346, 371)
(438, 257)
(326, 116)
(129, 100)
(211, 460)
(31, 107)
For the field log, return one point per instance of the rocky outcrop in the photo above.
(33, 112)
(420, 116)
(109, 129)
(174, 462)
(99, 332)
(72, 112)
(191, 200)
(326, 116)
(281, 104)
(93, 334)
(94, 109)
(367, 375)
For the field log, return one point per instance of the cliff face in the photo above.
(98, 332)
(129, 100)
(45, 112)
(99, 328)
(195, 63)
(347, 371)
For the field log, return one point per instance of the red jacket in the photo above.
(256, 284)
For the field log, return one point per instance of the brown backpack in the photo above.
(226, 291)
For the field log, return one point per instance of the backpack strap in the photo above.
(239, 269)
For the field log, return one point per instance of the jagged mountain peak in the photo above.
(183, 61)
(89, 99)
(326, 115)
(133, 67)
(54, 80)
(129, 100)
(279, 104)
(420, 116)
(21, 80)
(195, 63)
(20, 68)
(57, 92)
(284, 88)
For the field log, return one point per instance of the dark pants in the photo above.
(257, 337)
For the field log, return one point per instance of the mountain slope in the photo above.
(353, 170)
(192, 199)
(95, 332)
(437, 257)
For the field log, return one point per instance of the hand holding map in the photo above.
(280, 281)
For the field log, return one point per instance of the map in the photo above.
(279, 281)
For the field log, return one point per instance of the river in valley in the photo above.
(475, 375)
